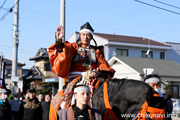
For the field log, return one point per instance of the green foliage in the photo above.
(166, 87)
(48, 76)
(46, 88)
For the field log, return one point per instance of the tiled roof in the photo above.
(9, 61)
(161, 67)
(42, 53)
(34, 73)
(129, 39)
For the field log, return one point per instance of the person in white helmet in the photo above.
(5, 108)
(80, 110)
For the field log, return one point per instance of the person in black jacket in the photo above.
(5, 108)
(154, 80)
(30, 108)
(45, 107)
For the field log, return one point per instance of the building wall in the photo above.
(41, 65)
(174, 53)
(133, 52)
(110, 50)
(124, 72)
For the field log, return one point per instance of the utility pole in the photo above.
(62, 22)
(14, 77)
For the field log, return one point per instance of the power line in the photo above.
(19, 49)
(39, 12)
(4, 15)
(167, 4)
(3, 4)
(8, 11)
(157, 7)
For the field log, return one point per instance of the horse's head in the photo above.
(158, 102)
(156, 105)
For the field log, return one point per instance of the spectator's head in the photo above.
(153, 80)
(40, 97)
(8, 92)
(18, 90)
(3, 94)
(81, 95)
(16, 97)
(32, 93)
(47, 98)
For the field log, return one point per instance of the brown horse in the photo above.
(126, 97)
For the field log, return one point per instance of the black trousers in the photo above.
(15, 115)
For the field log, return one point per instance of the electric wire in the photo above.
(3, 4)
(167, 4)
(8, 11)
(157, 7)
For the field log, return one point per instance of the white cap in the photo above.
(3, 91)
(81, 88)
(153, 79)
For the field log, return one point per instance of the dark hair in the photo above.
(151, 75)
(48, 94)
(8, 91)
(40, 93)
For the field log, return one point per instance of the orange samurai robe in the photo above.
(70, 60)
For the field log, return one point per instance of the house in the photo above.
(118, 45)
(174, 52)
(41, 70)
(8, 71)
(135, 68)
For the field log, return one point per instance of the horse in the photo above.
(126, 97)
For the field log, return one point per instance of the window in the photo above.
(144, 55)
(41, 65)
(48, 67)
(8, 73)
(121, 52)
(162, 55)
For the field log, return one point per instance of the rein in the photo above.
(91, 82)
(107, 105)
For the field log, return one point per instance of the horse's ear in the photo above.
(168, 94)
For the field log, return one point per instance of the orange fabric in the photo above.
(52, 111)
(156, 95)
(107, 105)
(96, 84)
(155, 113)
(61, 62)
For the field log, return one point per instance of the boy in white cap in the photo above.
(80, 110)
(5, 108)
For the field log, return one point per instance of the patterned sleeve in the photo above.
(60, 60)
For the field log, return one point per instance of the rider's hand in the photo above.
(59, 33)
(93, 75)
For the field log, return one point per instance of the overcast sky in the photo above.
(39, 19)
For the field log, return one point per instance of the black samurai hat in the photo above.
(86, 27)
